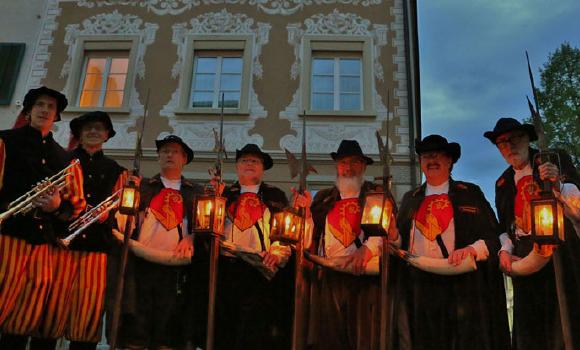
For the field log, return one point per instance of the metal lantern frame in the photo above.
(286, 226)
(130, 197)
(209, 214)
(377, 212)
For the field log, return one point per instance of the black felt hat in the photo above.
(350, 148)
(438, 143)
(33, 94)
(504, 125)
(177, 140)
(251, 148)
(97, 116)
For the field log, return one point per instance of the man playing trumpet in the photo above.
(27, 156)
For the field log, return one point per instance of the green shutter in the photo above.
(11, 55)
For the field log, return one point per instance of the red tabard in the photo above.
(167, 206)
(434, 215)
(246, 211)
(344, 220)
(526, 188)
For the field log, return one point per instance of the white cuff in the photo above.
(374, 244)
(481, 250)
(506, 243)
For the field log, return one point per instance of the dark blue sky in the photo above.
(473, 70)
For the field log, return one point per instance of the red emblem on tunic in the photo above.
(526, 189)
(344, 220)
(167, 206)
(246, 211)
(434, 215)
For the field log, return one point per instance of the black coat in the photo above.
(536, 317)
(466, 311)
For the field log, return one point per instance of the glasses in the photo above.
(513, 140)
(431, 155)
(250, 161)
(95, 126)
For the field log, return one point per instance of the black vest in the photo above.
(30, 158)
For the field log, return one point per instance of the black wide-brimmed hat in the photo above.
(504, 125)
(350, 148)
(175, 139)
(438, 143)
(251, 148)
(33, 94)
(97, 116)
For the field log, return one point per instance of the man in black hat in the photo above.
(164, 224)
(69, 309)
(250, 310)
(451, 220)
(343, 316)
(28, 155)
(536, 314)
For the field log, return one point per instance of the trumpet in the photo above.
(24, 203)
(88, 218)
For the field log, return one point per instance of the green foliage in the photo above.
(559, 99)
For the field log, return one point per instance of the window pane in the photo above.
(119, 65)
(230, 82)
(204, 82)
(96, 65)
(113, 99)
(231, 99)
(350, 84)
(90, 99)
(323, 66)
(322, 84)
(116, 82)
(202, 99)
(93, 82)
(349, 66)
(322, 102)
(205, 64)
(232, 65)
(350, 102)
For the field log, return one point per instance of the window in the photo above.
(104, 79)
(337, 76)
(214, 75)
(11, 55)
(336, 84)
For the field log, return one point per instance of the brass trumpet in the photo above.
(88, 218)
(24, 203)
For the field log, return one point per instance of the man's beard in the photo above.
(349, 185)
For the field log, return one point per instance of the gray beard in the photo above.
(349, 186)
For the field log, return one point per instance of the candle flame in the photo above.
(546, 217)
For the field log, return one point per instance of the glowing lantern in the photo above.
(547, 219)
(209, 214)
(286, 226)
(129, 199)
(377, 212)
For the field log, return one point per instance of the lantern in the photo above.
(209, 214)
(377, 212)
(286, 226)
(129, 199)
(547, 219)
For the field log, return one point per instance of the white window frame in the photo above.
(106, 75)
(312, 44)
(336, 81)
(217, 42)
(217, 88)
(78, 66)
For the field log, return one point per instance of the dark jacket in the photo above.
(323, 202)
(100, 174)
(273, 197)
(30, 158)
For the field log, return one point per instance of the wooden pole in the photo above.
(213, 274)
(562, 301)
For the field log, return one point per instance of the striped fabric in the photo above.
(88, 297)
(25, 277)
(2, 162)
(74, 190)
(121, 180)
(57, 311)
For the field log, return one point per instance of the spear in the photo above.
(557, 259)
(127, 235)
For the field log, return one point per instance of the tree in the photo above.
(559, 100)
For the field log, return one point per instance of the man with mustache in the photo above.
(452, 220)
(253, 312)
(536, 312)
(344, 317)
(28, 155)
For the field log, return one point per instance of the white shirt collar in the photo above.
(249, 188)
(173, 184)
(441, 189)
(526, 171)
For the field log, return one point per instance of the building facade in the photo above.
(350, 66)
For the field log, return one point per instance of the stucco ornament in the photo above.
(271, 7)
